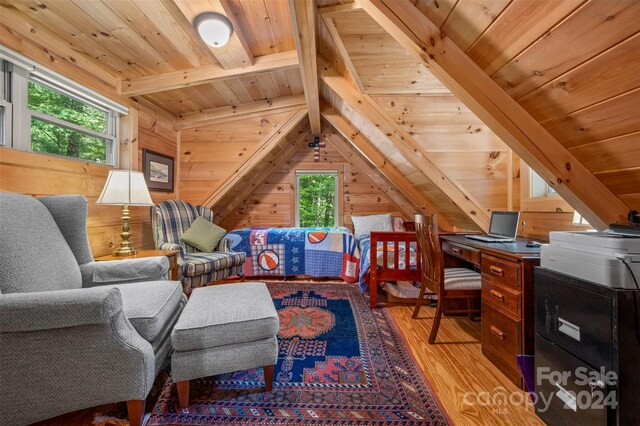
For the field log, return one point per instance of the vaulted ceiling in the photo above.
(435, 95)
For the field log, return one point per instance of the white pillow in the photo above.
(363, 225)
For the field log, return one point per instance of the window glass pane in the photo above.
(48, 101)
(3, 80)
(52, 139)
(2, 125)
(539, 187)
(317, 199)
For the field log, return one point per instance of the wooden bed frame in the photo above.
(383, 273)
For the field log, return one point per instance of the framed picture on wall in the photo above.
(158, 171)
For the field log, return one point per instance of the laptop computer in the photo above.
(502, 229)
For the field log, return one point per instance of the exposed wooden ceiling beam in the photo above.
(289, 146)
(337, 40)
(236, 175)
(338, 8)
(353, 156)
(405, 144)
(236, 52)
(230, 113)
(517, 128)
(206, 74)
(419, 202)
(303, 18)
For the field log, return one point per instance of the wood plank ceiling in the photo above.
(140, 38)
(571, 65)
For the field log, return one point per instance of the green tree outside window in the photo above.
(317, 200)
(54, 139)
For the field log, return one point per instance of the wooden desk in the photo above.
(507, 295)
(172, 255)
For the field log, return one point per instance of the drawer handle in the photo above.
(498, 333)
(568, 399)
(497, 295)
(455, 250)
(496, 270)
(569, 329)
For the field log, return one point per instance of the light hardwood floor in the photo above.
(463, 380)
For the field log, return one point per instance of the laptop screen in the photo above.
(504, 224)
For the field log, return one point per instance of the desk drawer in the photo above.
(501, 271)
(461, 251)
(501, 297)
(500, 336)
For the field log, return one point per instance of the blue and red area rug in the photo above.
(340, 363)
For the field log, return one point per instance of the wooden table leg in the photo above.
(268, 377)
(183, 393)
(135, 409)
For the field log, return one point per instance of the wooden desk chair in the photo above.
(409, 226)
(448, 284)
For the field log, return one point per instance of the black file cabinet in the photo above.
(587, 352)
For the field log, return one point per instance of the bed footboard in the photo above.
(388, 245)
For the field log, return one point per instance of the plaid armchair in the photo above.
(169, 220)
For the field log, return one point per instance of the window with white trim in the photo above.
(539, 188)
(5, 105)
(536, 195)
(44, 112)
(317, 193)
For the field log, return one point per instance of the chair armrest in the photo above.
(46, 310)
(225, 245)
(124, 271)
(170, 246)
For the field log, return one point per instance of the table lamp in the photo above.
(125, 188)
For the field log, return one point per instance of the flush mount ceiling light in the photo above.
(214, 28)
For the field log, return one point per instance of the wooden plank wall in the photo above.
(457, 140)
(273, 203)
(41, 174)
(539, 224)
(156, 133)
(209, 153)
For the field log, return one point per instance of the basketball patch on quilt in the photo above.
(268, 259)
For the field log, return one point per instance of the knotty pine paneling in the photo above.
(382, 64)
(272, 204)
(468, 20)
(505, 38)
(156, 133)
(456, 140)
(593, 28)
(209, 154)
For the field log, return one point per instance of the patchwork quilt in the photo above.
(317, 252)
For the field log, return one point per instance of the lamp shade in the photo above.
(125, 187)
(214, 28)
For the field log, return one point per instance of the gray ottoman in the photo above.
(224, 328)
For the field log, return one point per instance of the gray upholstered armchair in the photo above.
(75, 333)
(169, 220)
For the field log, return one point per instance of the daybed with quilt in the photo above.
(315, 252)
